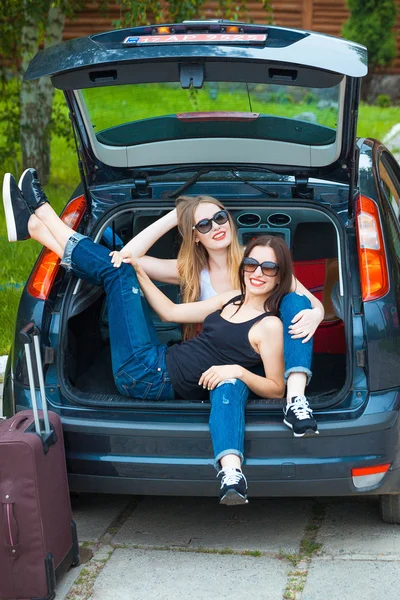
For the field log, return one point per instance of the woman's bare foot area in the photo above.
(39, 232)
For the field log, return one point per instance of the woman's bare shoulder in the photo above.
(270, 324)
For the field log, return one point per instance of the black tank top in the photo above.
(220, 343)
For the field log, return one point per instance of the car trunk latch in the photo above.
(301, 189)
(141, 186)
(191, 75)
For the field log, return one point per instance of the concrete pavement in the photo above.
(150, 548)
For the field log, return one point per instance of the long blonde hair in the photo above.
(193, 258)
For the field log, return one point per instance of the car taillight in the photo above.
(371, 250)
(163, 30)
(367, 476)
(46, 269)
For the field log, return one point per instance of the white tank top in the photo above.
(206, 289)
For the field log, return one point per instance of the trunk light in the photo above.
(232, 29)
(364, 477)
(163, 30)
(371, 250)
(46, 269)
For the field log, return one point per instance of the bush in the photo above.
(371, 23)
(383, 101)
(310, 98)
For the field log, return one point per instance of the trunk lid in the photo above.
(197, 95)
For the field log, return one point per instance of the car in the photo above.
(263, 118)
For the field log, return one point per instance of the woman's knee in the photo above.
(229, 390)
(294, 303)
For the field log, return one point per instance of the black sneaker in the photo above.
(16, 210)
(299, 416)
(31, 189)
(233, 487)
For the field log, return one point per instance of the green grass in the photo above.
(375, 122)
(112, 106)
(17, 259)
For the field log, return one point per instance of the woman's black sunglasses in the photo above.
(270, 269)
(205, 225)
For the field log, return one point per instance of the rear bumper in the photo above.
(176, 458)
(210, 487)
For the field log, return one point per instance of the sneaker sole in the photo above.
(8, 210)
(21, 178)
(232, 498)
(300, 434)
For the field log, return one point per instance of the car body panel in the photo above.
(294, 58)
(153, 458)
(381, 317)
(282, 46)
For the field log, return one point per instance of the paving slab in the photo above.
(65, 584)
(267, 525)
(165, 575)
(94, 513)
(355, 527)
(352, 580)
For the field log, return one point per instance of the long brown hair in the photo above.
(285, 272)
(193, 258)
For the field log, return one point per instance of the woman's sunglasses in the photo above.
(205, 225)
(270, 269)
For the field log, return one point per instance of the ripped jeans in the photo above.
(138, 359)
(297, 355)
(228, 402)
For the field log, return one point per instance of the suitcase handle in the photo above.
(11, 527)
(28, 335)
(16, 421)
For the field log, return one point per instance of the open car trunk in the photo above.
(314, 235)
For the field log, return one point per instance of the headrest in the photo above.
(313, 241)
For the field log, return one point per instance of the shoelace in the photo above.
(301, 409)
(39, 193)
(231, 477)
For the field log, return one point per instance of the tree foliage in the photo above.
(26, 115)
(371, 23)
(26, 120)
(144, 12)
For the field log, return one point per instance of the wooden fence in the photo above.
(326, 16)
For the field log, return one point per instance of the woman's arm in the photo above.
(269, 338)
(188, 312)
(164, 270)
(306, 321)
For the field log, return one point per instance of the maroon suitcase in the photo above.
(38, 540)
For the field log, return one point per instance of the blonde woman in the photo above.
(207, 265)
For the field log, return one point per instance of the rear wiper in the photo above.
(256, 187)
(189, 182)
(204, 171)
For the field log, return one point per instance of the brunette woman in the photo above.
(207, 264)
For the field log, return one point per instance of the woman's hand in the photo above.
(214, 375)
(305, 323)
(118, 257)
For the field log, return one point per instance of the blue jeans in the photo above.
(138, 360)
(228, 401)
(297, 355)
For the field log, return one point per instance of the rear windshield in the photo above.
(128, 115)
